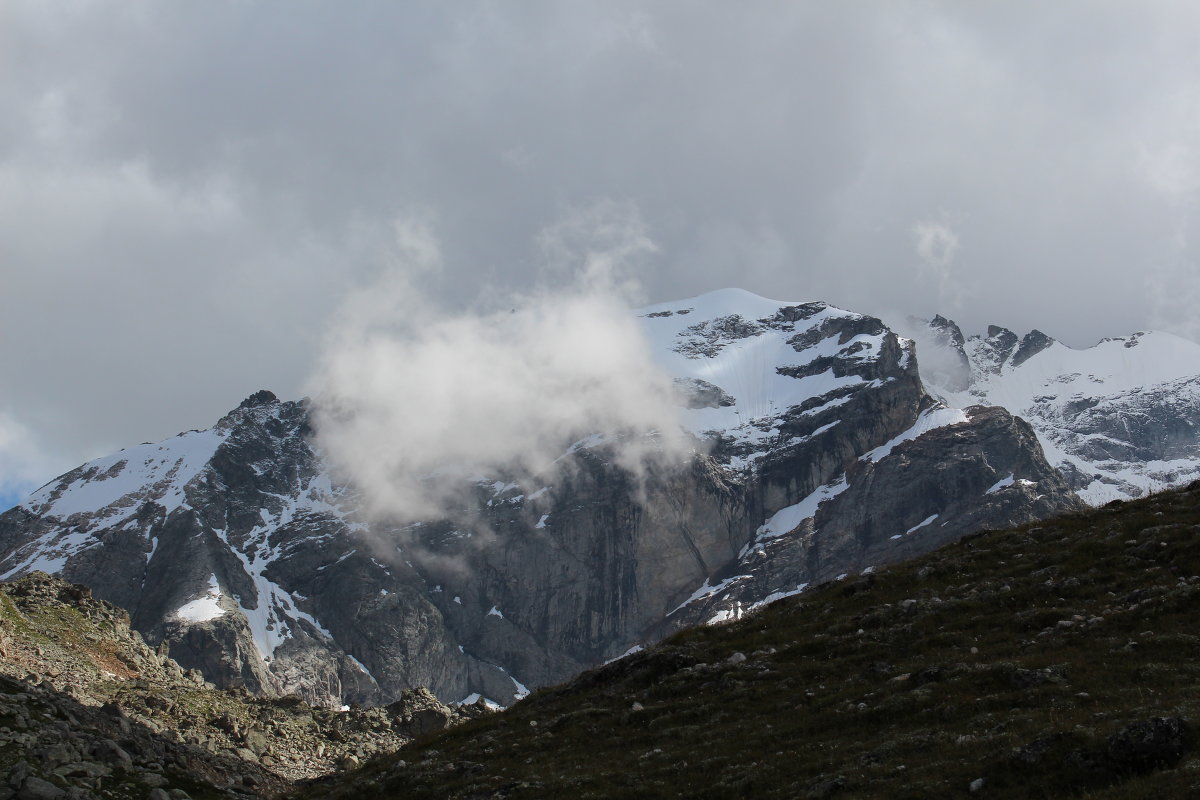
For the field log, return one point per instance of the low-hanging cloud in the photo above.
(937, 244)
(415, 400)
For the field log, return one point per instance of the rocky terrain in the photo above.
(1119, 419)
(88, 710)
(1056, 659)
(817, 452)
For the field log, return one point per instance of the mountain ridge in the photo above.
(238, 549)
(1118, 419)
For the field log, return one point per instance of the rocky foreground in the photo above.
(1056, 659)
(88, 710)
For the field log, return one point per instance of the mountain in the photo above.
(1054, 660)
(818, 453)
(1118, 419)
(88, 710)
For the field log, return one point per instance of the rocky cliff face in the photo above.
(1118, 419)
(888, 506)
(1047, 661)
(818, 452)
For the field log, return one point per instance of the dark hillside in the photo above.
(1054, 660)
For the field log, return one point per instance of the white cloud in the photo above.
(412, 396)
(936, 244)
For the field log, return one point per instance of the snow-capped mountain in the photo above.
(818, 453)
(1117, 419)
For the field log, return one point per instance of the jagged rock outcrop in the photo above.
(1032, 343)
(816, 443)
(943, 355)
(982, 472)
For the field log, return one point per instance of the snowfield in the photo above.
(1094, 409)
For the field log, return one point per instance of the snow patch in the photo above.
(475, 697)
(1059, 388)
(1003, 483)
(637, 648)
(725, 615)
(741, 344)
(920, 524)
(779, 595)
(708, 590)
(204, 608)
(788, 519)
(361, 666)
(929, 420)
(272, 614)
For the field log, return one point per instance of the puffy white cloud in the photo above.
(415, 399)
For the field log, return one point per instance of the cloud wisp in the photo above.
(937, 246)
(415, 401)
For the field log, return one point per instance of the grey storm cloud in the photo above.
(189, 191)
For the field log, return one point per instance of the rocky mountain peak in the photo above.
(948, 327)
(942, 356)
(818, 451)
(992, 352)
(1002, 336)
(262, 397)
(1002, 348)
(1032, 343)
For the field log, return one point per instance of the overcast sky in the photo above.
(188, 190)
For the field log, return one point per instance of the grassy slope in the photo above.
(910, 683)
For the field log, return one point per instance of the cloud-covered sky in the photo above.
(188, 191)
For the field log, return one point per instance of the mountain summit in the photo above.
(1119, 419)
(818, 454)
